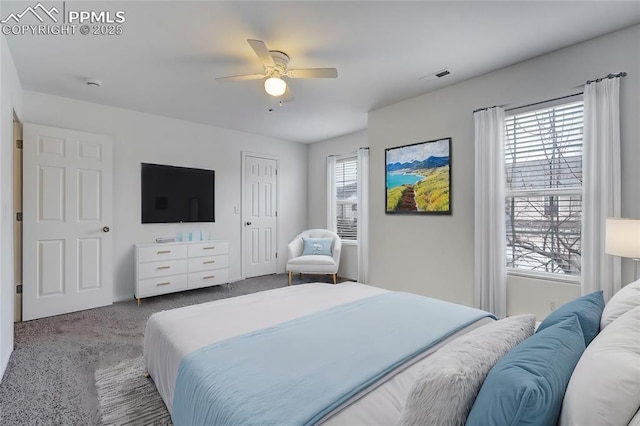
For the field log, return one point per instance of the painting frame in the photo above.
(423, 172)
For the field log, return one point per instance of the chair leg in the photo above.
(335, 278)
(290, 273)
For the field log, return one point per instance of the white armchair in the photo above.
(314, 264)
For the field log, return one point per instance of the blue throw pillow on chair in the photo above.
(319, 246)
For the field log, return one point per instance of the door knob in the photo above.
(248, 223)
(105, 229)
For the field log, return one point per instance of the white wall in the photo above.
(317, 190)
(539, 297)
(10, 101)
(140, 137)
(433, 255)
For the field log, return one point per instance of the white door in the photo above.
(260, 215)
(17, 223)
(67, 215)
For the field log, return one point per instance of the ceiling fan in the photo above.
(275, 68)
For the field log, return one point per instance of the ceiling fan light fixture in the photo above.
(275, 86)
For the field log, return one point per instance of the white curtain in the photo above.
(331, 194)
(600, 185)
(363, 215)
(490, 277)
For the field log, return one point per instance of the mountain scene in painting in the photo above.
(417, 177)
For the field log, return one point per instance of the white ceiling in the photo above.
(170, 52)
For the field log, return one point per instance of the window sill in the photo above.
(544, 276)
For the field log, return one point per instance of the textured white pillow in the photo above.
(627, 298)
(605, 386)
(448, 385)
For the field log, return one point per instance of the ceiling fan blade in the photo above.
(241, 77)
(313, 73)
(261, 50)
(287, 96)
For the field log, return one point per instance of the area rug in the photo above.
(127, 397)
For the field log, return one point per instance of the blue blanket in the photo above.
(296, 372)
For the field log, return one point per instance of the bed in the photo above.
(171, 336)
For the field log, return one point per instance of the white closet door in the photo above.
(260, 217)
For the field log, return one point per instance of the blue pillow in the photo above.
(317, 246)
(588, 309)
(527, 385)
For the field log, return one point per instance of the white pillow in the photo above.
(605, 386)
(627, 298)
(448, 385)
(635, 421)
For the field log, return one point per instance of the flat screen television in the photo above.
(173, 194)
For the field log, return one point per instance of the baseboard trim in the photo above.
(123, 298)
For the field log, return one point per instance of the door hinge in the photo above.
(19, 216)
(276, 213)
(276, 172)
(19, 289)
(19, 143)
(276, 255)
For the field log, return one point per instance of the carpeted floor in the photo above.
(50, 377)
(129, 398)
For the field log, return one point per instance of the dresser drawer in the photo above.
(208, 248)
(160, 252)
(208, 278)
(161, 285)
(161, 269)
(172, 267)
(199, 264)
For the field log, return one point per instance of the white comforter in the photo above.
(170, 335)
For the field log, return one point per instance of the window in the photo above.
(346, 199)
(543, 159)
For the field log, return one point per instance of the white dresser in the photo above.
(169, 267)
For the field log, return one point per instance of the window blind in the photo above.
(543, 160)
(347, 198)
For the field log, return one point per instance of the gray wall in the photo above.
(10, 101)
(317, 181)
(139, 137)
(433, 255)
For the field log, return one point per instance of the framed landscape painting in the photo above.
(418, 178)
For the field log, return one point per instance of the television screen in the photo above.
(177, 194)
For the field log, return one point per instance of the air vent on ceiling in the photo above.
(435, 75)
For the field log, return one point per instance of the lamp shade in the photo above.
(623, 237)
(275, 86)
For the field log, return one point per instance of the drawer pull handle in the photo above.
(208, 277)
(164, 283)
(209, 261)
(163, 251)
(208, 248)
(163, 267)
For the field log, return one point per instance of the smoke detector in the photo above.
(93, 83)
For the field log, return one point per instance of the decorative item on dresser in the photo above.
(170, 267)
